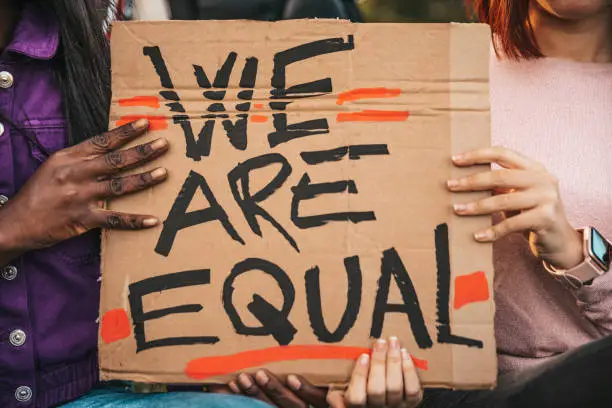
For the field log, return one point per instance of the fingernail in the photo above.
(486, 235)
(452, 183)
(405, 354)
(234, 387)
(150, 222)
(293, 382)
(262, 378)
(458, 157)
(393, 343)
(380, 345)
(159, 144)
(245, 380)
(141, 124)
(159, 173)
(364, 359)
(460, 207)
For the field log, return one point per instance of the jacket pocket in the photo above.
(45, 136)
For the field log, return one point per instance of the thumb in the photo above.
(335, 399)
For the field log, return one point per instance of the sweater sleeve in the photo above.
(595, 302)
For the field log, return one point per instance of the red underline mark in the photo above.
(207, 367)
(155, 122)
(373, 116)
(367, 93)
(115, 326)
(148, 101)
(471, 288)
(259, 118)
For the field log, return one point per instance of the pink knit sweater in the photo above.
(559, 113)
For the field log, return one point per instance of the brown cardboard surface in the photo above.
(419, 90)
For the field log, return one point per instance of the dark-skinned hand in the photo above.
(64, 198)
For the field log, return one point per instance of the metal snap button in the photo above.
(6, 79)
(23, 393)
(17, 338)
(9, 272)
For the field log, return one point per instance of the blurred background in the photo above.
(412, 10)
(356, 10)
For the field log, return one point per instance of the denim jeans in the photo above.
(111, 396)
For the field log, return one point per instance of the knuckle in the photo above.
(144, 150)
(274, 388)
(481, 205)
(394, 359)
(63, 174)
(114, 159)
(113, 221)
(414, 396)
(548, 214)
(116, 186)
(550, 196)
(251, 390)
(499, 178)
(470, 181)
(123, 132)
(101, 141)
(500, 229)
(144, 179)
(504, 201)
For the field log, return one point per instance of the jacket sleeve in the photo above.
(595, 302)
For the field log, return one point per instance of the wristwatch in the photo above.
(596, 262)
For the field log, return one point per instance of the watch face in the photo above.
(600, 249)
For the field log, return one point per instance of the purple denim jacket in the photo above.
(48, 298)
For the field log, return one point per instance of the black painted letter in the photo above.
(392, 265)
(353, 302)
(158, 284)
(306, 191)
(274, 322)
(443, 299)
(179, 218)
(249, 202)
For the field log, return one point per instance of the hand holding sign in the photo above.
(527, 190)
(387, 379)
(306, 211)
(62, 199)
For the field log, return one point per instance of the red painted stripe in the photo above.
(115, 326)
(206, 367)
(367, 93)
(259, 118)
(470, 289)
(373, 116)
(146, 101)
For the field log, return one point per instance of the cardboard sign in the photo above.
(305, 212)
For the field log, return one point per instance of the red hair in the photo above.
(511, 26)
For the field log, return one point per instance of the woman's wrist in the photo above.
(571, 253)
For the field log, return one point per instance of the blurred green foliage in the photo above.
(413, 10)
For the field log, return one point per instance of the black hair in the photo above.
(82, 65)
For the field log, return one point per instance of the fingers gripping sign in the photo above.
(528, 195)
(64, 197)
(387, 379)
